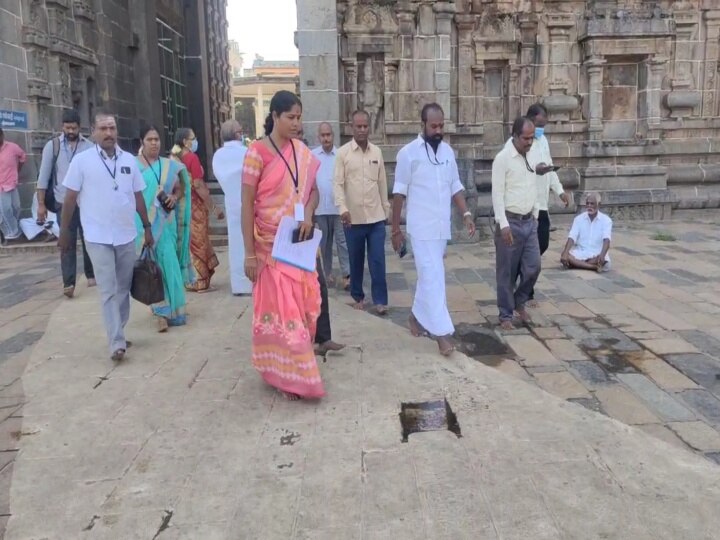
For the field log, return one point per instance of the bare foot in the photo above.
(532, 303)
(69, 291)
(118, 355)
(506, 325)
(445, 345)
(162, 324)
(524, 316)
(203, 291)
(600, 266)
(416, 329)
(359, 305)
(291, 397)
(381, 310)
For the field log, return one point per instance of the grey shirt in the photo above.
(63, 164)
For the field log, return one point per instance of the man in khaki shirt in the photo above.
(515, 204)
(361, 194)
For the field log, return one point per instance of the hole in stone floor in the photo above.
(433, 415)
(477, 341)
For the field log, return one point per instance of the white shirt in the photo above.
(326, 207)
(227, 165)
(540, 153)
(107, 204)
(514, 187)
(588, 234)
(429, 188)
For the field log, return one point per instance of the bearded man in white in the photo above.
(227, 165)
(427, 176)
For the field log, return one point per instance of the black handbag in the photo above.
(147, 282)
(50, 202)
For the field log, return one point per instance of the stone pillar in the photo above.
(656, 69)
(595, 90)
(712, 56)
(317, 41)
(478, 73)
(444, 12)
(528, 33)
(351, 92)
(466, 53)
(391, 68)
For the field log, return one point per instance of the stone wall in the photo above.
(60, 54)
(631, 86)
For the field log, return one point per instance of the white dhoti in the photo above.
(430, 304)
(227, 166)
(583, 254)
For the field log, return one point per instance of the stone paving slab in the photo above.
(182, 440)
(648, 317)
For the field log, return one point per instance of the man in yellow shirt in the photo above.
(361, 194)
(515, 205)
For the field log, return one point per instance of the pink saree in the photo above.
(286, 300)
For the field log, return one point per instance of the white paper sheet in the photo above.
(301, 255)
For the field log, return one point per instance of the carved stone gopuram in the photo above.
(631, 87)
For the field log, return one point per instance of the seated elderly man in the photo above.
(589, 239)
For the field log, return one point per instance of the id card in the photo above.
(299, 212)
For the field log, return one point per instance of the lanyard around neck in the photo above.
(295, 177)
(158, 174)
(114, 171)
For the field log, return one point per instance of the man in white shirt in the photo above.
(515, 205)
(589, 239)
(426, 175)
(107, 185)
(540, 153)
(57, 155)
(327, 215)
(227, 165)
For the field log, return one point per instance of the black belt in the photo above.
(513, 215)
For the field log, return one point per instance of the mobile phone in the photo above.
(296, 236)
(555, 168)
(403, 250)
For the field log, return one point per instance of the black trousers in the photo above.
(322, 333)
(543, 232)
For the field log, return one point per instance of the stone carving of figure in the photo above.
(372, 97)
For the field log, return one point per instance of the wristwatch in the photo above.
(146, 225)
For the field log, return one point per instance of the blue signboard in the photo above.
(13, 119)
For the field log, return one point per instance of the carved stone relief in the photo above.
(371, 91)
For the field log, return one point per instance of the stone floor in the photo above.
(183, 441)
(640, 343)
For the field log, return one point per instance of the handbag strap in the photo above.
(56, 153)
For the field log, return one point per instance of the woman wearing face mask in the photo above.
(167, 198)
(279, 180)
(203, 255)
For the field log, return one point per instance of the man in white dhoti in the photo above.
(227, 166)
(588, 241)
(427, 176)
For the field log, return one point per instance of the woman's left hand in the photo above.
(306, 229)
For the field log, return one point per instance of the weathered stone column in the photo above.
(444, 12)
(478, 73)
(391, 68)
(595, 80)
(657, 67)
(712, 55)
(466, 53)
(351, 92)
(317, 41)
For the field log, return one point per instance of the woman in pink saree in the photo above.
(279, 179)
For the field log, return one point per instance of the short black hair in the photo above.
(536, 109)
(519, 125)
(103, 114)
(71, 116)
(360, 111)
(430, 107)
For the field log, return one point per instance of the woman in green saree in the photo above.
(167, 198)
